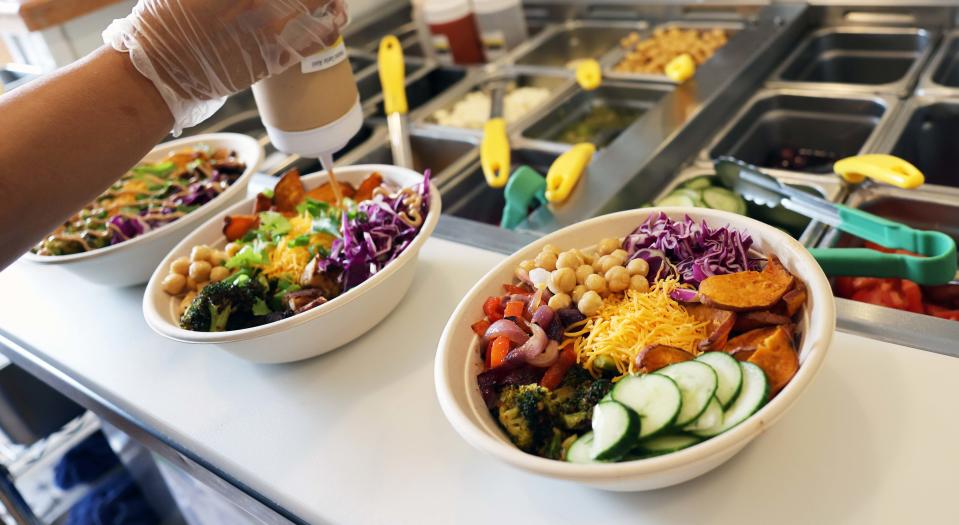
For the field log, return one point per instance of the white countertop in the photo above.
(357, 436)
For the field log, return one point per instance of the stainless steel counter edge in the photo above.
(50, 372)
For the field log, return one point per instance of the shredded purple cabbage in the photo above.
(127, 228)
(374, 237)
(696, 250)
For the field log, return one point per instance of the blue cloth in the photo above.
(116, 502)
(85, 463)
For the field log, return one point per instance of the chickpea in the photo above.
(638, 267)
(546, 260)
(578, 292)
(562, 280)
(181, 266)
(617, 279)
(607, 246)
(527, 265)
(582, 272)
(638, 283)
(621, 256)
(569, 259)
(606, 262)
(551, 248)
(200, 253)
(596, 283)
(185, 302)
(191, 284)
(200, 285)
(231, 249)
(200, 270)
(559, 301)
(590, 303)
(219, 273)
(588, 256)
(217, 258)
(174, 283)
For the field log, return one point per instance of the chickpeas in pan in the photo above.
(650, 55)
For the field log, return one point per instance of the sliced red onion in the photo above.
(539, 277)
(523, 276)
(543, 316)
(548, 357)
(507, 328)
(532, 348)
(684, 295)
(535, 301)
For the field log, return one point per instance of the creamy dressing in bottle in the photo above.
(312, 109)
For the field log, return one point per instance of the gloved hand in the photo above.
(197, 52)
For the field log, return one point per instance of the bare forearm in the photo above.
(66, 138)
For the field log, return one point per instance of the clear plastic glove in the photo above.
(197, 52)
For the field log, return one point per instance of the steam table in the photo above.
(356, 435)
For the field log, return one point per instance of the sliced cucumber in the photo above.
(695, 195)
(697, 383)
(656, 398)
(668, 443)
(712, 416)
(723, 199)
(615, 430)
(581, 451)
(674, 199)
(699, 183)
(728, 372)
(752, 396)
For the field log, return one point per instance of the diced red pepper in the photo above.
(493, 308)
(479, 327)
(498, 351)
(516, 290)
(554, 374)
(514, 309)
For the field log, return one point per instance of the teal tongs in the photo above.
(937, 261)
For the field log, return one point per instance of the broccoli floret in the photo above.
(572, 403)
(224, 304)
(523, 414)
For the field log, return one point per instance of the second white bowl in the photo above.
(313, 332)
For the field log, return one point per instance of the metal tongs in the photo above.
(935, 265)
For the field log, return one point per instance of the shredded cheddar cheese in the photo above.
(625, 325)
(289, 262)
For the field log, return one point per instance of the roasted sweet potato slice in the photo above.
(324, 192)
(747, 321)
(262, 203)
(289, 192)
(720, 325)
(750, 290)
(365, 190)
(236, 226)
(777, 357)
(654, 357)
(749, 340)
(743, 354)
(794, 299)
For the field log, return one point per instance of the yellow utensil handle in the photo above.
(882, 168)
(567, 170)
(588, 74)
(392, 75)
(494, 153)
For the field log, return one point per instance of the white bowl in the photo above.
(458, 362)
(131, 262)
(315, 331)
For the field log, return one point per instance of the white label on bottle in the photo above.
(494, 44)
(441, 45)
(325, 59)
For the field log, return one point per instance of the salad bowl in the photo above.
(458, 359)
(313, 332)
(131, 262)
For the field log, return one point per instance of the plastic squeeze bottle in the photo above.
(502, 26)
(312, 109)
(453, 29)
